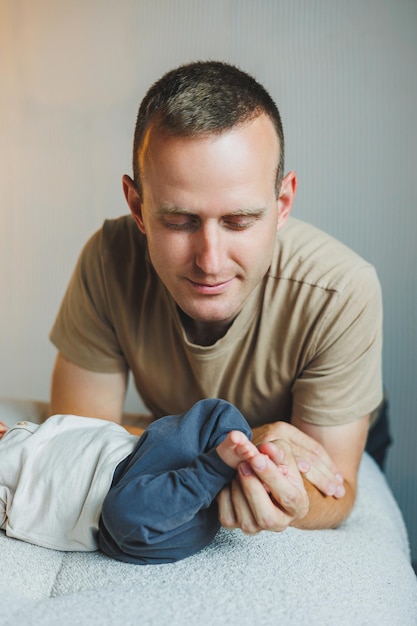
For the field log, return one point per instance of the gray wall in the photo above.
(344, 75)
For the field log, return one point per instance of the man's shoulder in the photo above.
(306, 254)
(121, 232)
(119, 240)
(117, 253)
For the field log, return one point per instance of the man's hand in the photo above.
(269, 498)
(311, 457)
(267, 493)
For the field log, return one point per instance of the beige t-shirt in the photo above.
(308, 341)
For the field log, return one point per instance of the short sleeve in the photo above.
(84, 331)
(342, 378)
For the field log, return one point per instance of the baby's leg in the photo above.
(236, 448)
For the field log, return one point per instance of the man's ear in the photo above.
(286, 198)
(134, 201)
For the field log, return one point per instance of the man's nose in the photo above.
(209, 249)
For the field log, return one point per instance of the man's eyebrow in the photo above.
(168, 209)
(249, 212)
(246, 212)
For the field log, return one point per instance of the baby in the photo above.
(77, 483)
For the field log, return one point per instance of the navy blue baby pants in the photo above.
(161, 505)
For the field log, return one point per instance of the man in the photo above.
(210, 289)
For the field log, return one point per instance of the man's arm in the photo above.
(78, 391)
(264, 499)
(345, 445)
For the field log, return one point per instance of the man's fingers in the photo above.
(267, 494)
(328, 484)
(281, 454)
(227, 517)
(234, 510)
(275, 497)
(312, 462)
(303, 446)
(245, 515)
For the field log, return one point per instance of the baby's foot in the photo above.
(236, 448)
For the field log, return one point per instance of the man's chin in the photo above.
(201, 316)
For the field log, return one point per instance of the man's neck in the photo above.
(203, 333)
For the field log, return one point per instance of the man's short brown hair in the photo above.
(205, 97)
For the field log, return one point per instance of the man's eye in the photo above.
(239, 224)
(180, 223)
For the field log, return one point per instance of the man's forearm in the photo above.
(325, 511)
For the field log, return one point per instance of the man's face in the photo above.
(210, 214)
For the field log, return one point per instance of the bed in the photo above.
(359, 574)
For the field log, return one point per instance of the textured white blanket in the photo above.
(359, 574)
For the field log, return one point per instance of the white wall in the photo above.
(72, 73)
